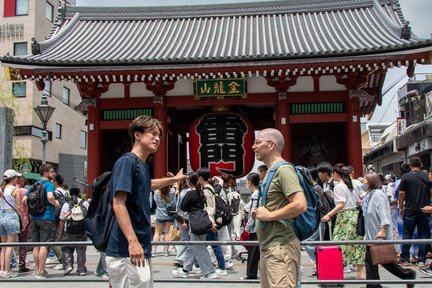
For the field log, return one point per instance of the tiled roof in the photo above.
(223, 33)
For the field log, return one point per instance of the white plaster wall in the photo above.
(328, 83)
(303, 84)
(258, 85)
(115, 90)
(139, 90)
(183, 87)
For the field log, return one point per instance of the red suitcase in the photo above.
(329, 260)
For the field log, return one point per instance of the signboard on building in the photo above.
(11, 31)
(220, 88)
(401, 125)
(222, 142)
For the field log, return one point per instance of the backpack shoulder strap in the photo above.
(269, 177)
(136, 170)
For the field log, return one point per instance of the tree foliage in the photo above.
(20, 154)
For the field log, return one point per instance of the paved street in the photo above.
(162, 271)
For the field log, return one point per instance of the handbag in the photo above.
(199, 222)
(173, 233)
(19, 218)
(360, 227)
(383, 254)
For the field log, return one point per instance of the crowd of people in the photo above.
(190, 206)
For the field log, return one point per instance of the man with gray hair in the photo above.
(279, 246)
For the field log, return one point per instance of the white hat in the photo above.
(10, 173)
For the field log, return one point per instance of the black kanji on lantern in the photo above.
(222, 140)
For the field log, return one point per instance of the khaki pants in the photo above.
(280, 265)
(125, 275)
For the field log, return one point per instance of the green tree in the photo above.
(21, 158)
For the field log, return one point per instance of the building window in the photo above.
(47, 88)
(20, 48)
(15, 8)
(83, 140)
(22, 7)
(66, 94)
(19, 89)
(58, 131)
(49, 11)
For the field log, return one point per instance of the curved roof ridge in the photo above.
(397, 29)
(215, 10)
(60, 33)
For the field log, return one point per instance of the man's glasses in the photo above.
(258, 142)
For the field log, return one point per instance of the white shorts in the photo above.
(125, 275)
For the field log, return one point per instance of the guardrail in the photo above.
(243, 243)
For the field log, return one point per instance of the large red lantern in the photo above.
(222, 141)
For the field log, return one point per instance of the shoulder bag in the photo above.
(199, 221)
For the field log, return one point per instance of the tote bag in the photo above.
(199, 222)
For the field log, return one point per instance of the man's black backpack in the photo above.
(36, 200)
(100, 215)
(223, 214)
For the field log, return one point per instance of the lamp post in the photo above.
(44, 112)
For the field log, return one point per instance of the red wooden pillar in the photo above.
(94, 144)
(353, 135)
(159, 89)
(282, 84)
(91, 91)
(160, 157)
(282, 124)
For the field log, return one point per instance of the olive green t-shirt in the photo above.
(285, 182)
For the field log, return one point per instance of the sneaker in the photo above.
(68, 270)
(347, 269)
(247, 278)
(105, 277)
(195, 270)
(82, 273)
(421, 264)
(229, 265)
(23, 270)
(180, 272)
(58, 267)
(51, 260)
(177, 263)
(221, 272)
(427, 271)
(7, 275)
(213, 275)
(45, 273)
(40, 276)
(404, 263)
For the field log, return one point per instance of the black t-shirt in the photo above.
(137, 203)
(416, 185)
(192, 201)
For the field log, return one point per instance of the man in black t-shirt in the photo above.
(415, 193)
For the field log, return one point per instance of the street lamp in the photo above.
(44, 112)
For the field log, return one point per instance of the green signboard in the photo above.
(220, 88)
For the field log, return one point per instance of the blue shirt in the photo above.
(137, 204)
(49, 210)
